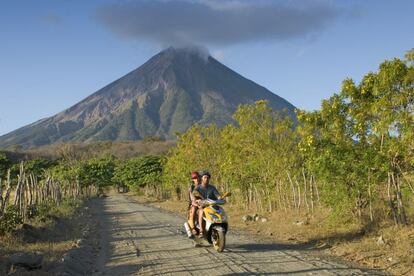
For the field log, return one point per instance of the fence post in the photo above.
(7, 195)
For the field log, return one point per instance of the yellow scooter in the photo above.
(215, 222)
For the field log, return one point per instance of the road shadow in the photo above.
(127, 269)
(255, 248)
(313, 271)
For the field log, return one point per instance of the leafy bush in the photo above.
(38, 166)
(139, 172)
(10, 219)
(97, 171)
(68, 206)
(4, 165)
(46, 209)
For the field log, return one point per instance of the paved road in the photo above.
(139, 240)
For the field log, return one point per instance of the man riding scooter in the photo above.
(206, 191)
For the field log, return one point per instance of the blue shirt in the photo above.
(208, 192)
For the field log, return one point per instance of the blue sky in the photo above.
(55, 53)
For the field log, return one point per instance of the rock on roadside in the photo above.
(254, 218)
(246, 218)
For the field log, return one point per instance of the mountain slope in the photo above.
(170, 92)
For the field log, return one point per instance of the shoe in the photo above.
(201, 235)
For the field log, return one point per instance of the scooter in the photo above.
(215, 222)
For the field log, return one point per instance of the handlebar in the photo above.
(208, 202)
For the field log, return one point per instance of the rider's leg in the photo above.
(191, 217)
(200, 220)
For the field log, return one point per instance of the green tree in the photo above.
(246, 158)
(97, 171)
(139, 172)
(5, 164)
(357, 143)
(38, 166)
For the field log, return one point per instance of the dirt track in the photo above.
(137, 239)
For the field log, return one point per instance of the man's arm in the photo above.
(216, 193)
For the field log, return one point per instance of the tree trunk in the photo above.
(371, 215)
(295, 204)
(279, 196)
(16, 195)
(299, 193)
(390, 201)
(1, 197)
(311, 194)
(316, 188)
(401, 209)
(305, 192)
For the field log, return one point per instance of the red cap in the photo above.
(194, 175)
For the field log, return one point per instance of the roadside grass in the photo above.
(389, 248)
(52, 233)
(382, 246)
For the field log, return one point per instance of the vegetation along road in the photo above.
(138, 239)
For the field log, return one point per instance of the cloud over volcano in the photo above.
(217, 22)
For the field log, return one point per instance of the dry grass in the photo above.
(348, 240)
(395, 255)
(51, 238)
(52, 251)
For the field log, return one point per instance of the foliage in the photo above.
(363, 137)
(354, 154)
(48, 209)
(38, 166)
(45, 209)
(4, 165)
(246, 158)
(65, 173)
(10, 219)
(97, 171)
(93, 172)
(139, 171)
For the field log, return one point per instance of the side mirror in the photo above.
(227, 194)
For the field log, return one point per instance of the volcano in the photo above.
(168, 94)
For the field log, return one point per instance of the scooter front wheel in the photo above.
(218, 237)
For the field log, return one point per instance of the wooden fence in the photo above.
(30, 192)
